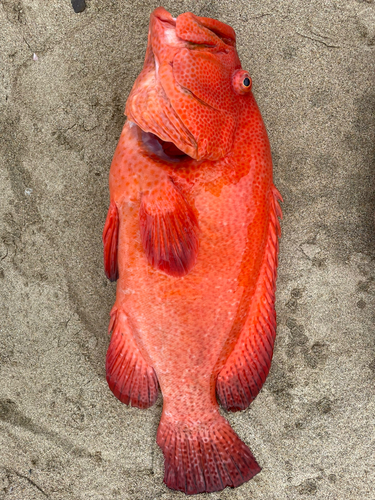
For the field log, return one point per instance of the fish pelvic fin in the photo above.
(247, 367)
(131, 379)
(110, 242)
(169, 231)
(204, 457)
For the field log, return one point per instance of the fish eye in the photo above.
(242, 82)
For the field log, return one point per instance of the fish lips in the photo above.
(160, 104)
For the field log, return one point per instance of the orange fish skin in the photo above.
(204, 324)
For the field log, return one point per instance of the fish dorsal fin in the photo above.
(110, 242)
(247, 367)
(169, 230)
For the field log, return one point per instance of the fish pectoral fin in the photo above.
(204, 457)
(131, 379)
(247, 367)
(110, 242)
(169, 230)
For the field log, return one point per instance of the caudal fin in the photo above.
(204, 458)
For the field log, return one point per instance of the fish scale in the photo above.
(192, 238)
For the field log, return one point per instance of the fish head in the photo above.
(192, 88)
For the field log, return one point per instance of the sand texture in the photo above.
(63, 436)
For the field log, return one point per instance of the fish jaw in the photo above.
(184, 93)
(148, 105)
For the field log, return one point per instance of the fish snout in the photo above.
(163, 15)
(188, 29)
(204, 31)
(163, 31)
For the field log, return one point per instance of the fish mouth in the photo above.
(163, 150)
(162, 130)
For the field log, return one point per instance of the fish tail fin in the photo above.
(204, 457)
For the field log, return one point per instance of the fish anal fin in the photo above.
(110, 242)
(247, 367)
(169, 231)
(131, 379)
(204, 457)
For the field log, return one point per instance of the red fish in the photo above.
(192, 238)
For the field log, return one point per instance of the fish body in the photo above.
(192, 238)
